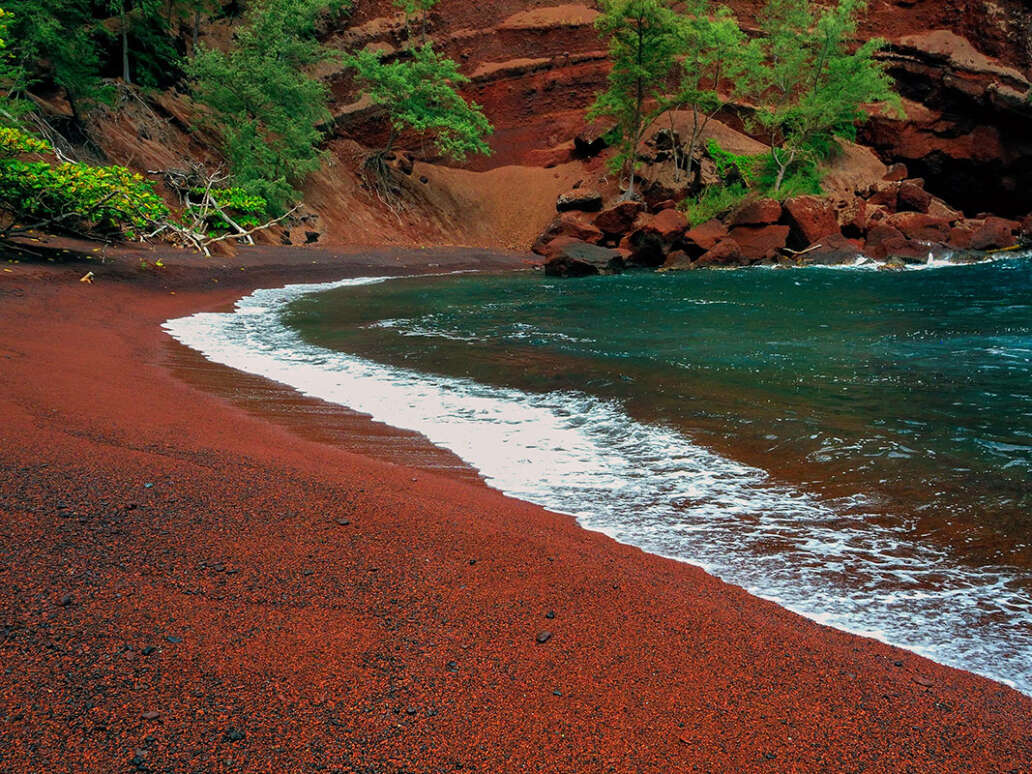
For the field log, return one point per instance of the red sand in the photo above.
(403, 641)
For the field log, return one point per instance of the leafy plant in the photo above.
(808, 82)
(420, 93)
(713, 201)
(261, 101)
(225, 210)
(644, 39)
(70, 197)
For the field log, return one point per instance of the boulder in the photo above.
(919, 226)
(885, 241)
(885, 194)
(582, 199)
(811, 218)
(726, 253)
(668, 225)
(666, 204)
(760, 243)
(834, 250)
(960, 234)
(940, 209)
(646, 247)
(913, 197)
(706, 236)
(569, 224)
(619, 219)
(758, 212)
(994, 234)
(580, 259)
(896, 173)
(678, 260)
(551, 249)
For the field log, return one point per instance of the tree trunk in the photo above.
(125, 45)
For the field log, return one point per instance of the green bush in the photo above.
(714, 201)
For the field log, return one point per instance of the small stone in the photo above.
(472, 562)
(550, 615)
(172, 638)
(343, 522)
(148, 650)
(65, 600)
(412, 711)
(924, 683)
(148, 485)
(557, 692)
(307, 573)
(151, 715)
(452, 666)
(897, 663)
(544, 637)
(234, 734)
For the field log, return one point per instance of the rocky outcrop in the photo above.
(580, 259)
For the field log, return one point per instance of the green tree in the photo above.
(143, 35)
(711, 49)
(810, 84)
(56, 41)
(412, 8)
(262, 101)
(419, 92)
(644, 36)
(12, 79)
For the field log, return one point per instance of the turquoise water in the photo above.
(853, 444)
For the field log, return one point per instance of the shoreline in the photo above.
(325, 637)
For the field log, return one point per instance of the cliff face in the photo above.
(962, 67)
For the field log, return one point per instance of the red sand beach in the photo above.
(187, 586)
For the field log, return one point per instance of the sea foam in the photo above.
(838, 562)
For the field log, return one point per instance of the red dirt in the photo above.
(328, 646)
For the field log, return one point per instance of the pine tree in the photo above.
(262, 101)
(711, 49)
(643, 45)
(809, 84)
(420, 93)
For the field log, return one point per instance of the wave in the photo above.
(839, 562)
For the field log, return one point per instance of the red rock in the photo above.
(669, 225)
(920, 227)
(668, 204)
(706, 236)
(835, 249)
(994, 234)
(582, 199)
(678, 260)
(551, 249)
(569, 224)
(811, 218)
(1026, 226)
(620, 218)
(884, 241)
(758, 212)
(960, 235)
(579, 259)
(912, 197)
(896, 173)
(940, 209)
(886, 194)
(760, 243)
(727, 253)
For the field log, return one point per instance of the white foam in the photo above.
(652, 487)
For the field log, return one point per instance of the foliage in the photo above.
(808, 85)
(643, 45)
(263, 104)
(420, 93)
(56, 41)
(12, 79)
(711, 49)
(713, 201)
(76, 198)
(221, 210)
(145, 40)
(412, 8)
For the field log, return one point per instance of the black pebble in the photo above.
(65, 600)
(550, 615)
(234, 735)
(544, 637)
(173, 639)
(343, 522)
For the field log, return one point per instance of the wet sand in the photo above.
(190, 583)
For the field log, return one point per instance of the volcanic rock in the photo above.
(582, 199)
(920, 227)
(811, 218)
(619, 219)
(994, 234)
(759, 243)
(580, 259)
(706, 236)
(757, 212)
(726, 253)
(834, 250)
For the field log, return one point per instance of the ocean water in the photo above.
(854, 445)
